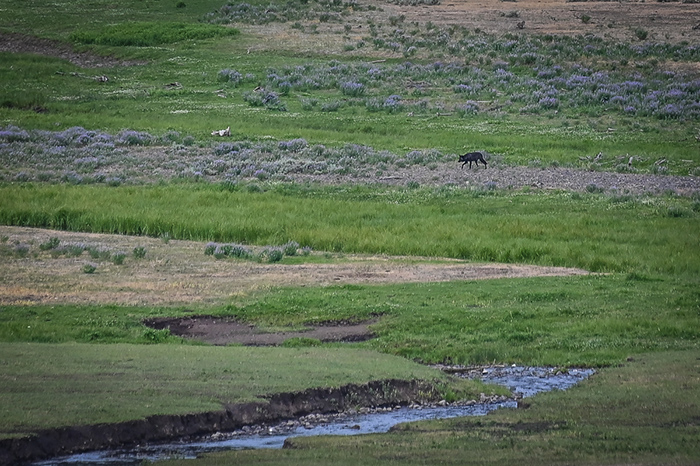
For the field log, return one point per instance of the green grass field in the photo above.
(642, 413)
(49, 385)
(528, 100)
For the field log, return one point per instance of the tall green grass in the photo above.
(145, 34)
(596, 232)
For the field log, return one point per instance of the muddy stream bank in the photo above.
(286, 416)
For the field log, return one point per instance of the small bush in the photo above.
(468, 108)
(230, 76)
(271, 255)
(333, 106)
(139, 252)
(129, 137)
(222, 251)
(152, 335)
(290, 249)
(267, 99)
(308, 103)
(352, 88)
(641, 34)
(52, 243)
(118, 258)
(74, 250)
(89, 268)
(22, 250)
(678, 212)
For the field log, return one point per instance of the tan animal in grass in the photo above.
(222, 132)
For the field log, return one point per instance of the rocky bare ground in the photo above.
(508, 177)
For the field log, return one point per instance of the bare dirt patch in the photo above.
(223, 331)
(618, 21)
(664, 22)
(519, 177)
(178, 273)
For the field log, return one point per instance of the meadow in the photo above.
(330, 90)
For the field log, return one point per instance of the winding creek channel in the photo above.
(522, 381)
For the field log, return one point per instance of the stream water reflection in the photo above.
(523, 381)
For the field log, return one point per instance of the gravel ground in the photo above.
(568, 179)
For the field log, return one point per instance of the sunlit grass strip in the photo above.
(583, 320)
(561, 321)
(48, 385)
(595, 232)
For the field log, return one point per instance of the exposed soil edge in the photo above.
(159, 428)
(226, 330)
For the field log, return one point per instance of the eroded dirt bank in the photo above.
(159, 428)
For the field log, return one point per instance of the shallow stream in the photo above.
(523, 381)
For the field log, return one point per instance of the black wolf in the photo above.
(472, 157)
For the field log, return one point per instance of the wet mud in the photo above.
(224, 331)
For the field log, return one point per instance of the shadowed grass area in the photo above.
(645, 412)
(59, 19)
(150, 34)
(46, 385)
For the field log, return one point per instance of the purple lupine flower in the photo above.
(393, 103)
(548, 102)
(352, 88)
(230, 76)
(293, 145)
(468, 108)
(463, 88)
(13, 133)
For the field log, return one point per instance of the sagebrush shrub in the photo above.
(52, 243)
(89, 268)
(118, 257)
(290, 249)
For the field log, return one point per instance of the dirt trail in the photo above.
(179, 273)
